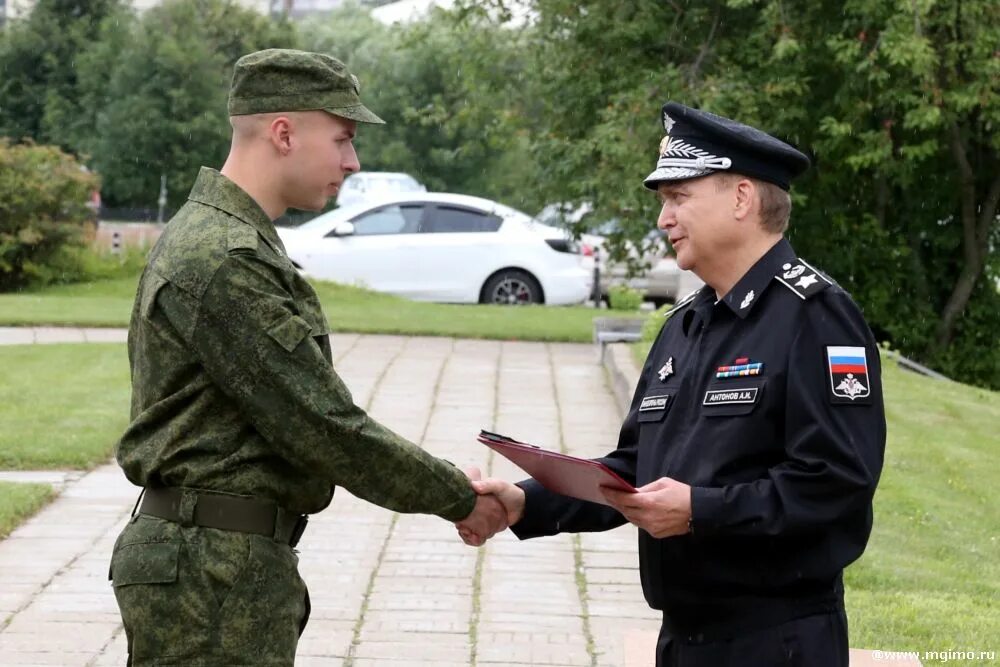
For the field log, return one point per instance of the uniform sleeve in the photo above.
(548, 513)
(834, 446)
(260, 353)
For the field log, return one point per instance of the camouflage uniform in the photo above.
(234, 391)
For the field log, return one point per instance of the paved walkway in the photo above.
(387, 589)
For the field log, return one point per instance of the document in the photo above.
(560, 473)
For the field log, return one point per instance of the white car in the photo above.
(371, 185)
(658, 280)
(441, 247)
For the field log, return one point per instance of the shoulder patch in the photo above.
(803, 279)
(241, 236)
(680, 304)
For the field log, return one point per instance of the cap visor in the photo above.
(673, 174)
(358, 112)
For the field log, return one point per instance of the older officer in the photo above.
(757, 430)
(240, 425)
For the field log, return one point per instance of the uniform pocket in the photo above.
(654, 407)
(729, 398)
(145, 563)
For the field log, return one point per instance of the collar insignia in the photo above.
(747, 299)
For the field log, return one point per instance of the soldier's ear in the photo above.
(279, 133)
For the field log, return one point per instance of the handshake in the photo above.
(662, 508)
(499, 504)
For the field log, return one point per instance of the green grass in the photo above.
(109, 304)
(19, 501)
(930, 579)
(61, 406)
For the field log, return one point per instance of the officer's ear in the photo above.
(745, 198)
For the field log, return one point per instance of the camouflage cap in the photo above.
(276, 80)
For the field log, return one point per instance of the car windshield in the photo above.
(330, 218)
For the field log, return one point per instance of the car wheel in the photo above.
(511, 287)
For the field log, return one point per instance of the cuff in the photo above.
(461, 508)
(532, 521)
(706, 510)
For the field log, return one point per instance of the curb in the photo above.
(622, 373)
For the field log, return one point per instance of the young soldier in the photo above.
(240, 425)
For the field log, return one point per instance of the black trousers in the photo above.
(811, 641)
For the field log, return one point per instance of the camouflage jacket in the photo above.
(233, 386)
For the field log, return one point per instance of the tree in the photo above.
(165, 110)
(441, 85)
(39, 57)
(896, 102)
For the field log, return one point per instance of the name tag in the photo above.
(654, 402)
(734, 396)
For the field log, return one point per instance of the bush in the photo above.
(78, 264)
(623, 297)
(43, 209)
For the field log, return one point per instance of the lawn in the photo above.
(930, 579)
(61, 406)
(109, 303)
(19, 501)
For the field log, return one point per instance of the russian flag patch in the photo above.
(848, 367)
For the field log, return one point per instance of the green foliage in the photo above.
(896, 102)
(80, 264)
(43, 207)
(166, 94)
(444, 87)
(39, 58)
(623, 297)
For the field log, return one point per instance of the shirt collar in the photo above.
(213, 189)
(748, 291)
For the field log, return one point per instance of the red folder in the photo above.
(566, 475)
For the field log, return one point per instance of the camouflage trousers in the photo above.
(204, 597)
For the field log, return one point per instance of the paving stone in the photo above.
(423, 598)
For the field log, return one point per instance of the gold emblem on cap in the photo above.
(664, 144)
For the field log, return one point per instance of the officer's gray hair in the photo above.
(775, 203)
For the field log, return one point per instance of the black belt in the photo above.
(243, 514)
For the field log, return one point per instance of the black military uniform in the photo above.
(768, 403)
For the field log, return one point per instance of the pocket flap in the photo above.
(149, 563)
(290, 332)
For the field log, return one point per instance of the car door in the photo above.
(455, 247)
(377, 254)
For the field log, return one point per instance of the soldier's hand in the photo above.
(511, 495)
(488, 518)
(661, 508)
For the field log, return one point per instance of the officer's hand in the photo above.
(510, 494)
(512, 499)
(488, 518)
(661, 508)
(475, 531)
